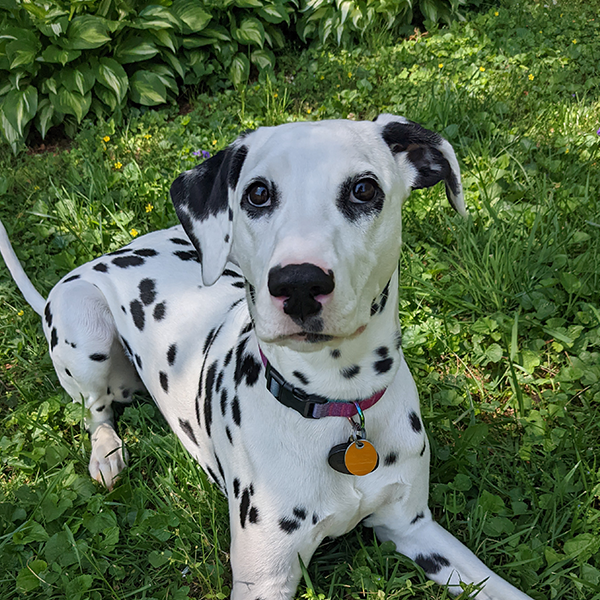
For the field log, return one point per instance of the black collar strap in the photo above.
(312, 406)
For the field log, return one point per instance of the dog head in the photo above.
(311, 213)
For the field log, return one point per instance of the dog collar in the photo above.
(312, 406)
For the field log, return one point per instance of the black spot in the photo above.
(350, 372)
(125, 393)
(383, 366)
(301, 377)
(186, 255)
(433, 563)
(128, 261)
(213, 476)
(423, 449)
(220, 467)
(127, 346)
(246, 329)
(236, 487)
(102, 267)
(208, 391)
(145, 252)
(160, 311)
(137, 313)
(251, 292)
(383, 351)
(120, 251)
(219, 381)
(180, 241)
(164, 381)
(72, 278)
(226, 239)
(138, 360)
(223, 401)
(315, 518)
(417, 518)
(300, 512)
(289, 525)
(147, 289)
(100, 408)
(390, 459)
(335, 353)
(123, 309)
(246, 366)
(415, 422)
(230, 273)
(53, 338)
(210, 338)
(398, 339)
(228, 357)
(48, 315)
(187, 428)
(108, 390)
(244, 506)
(230, 214)
(235, 167)
(234, 304)
(69, 373)
(171, 354)
(356, 211)
(98, 357)
(228, 433)
(253, 515)
(235, 411)
(238, 284)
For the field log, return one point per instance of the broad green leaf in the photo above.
(158, 559)
(248, 3)
(174, 62)
(135, 49)
(28, 578)
(87, 32)
(107, 96)
(111, 74)
(274, 37)
(263, 59)
(147, 88)
(217, 32)
(239, 70)
(20, 53)
(250, 31)
(54, 54)
(56, 24)
(491, 503)
(10, 133)
(274, 13)
(43, 119)
(166, 38)
(494, 352)
(158, 17)
(191, 13)
(19, 107)
(50, 85)
(166, 76)
(71, 103)
(80, 79)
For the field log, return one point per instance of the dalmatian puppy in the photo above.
(266, 329)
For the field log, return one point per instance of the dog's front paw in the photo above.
(109, 457)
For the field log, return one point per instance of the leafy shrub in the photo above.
(61, 59)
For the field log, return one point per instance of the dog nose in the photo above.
(300, 285)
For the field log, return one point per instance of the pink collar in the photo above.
(312, 406)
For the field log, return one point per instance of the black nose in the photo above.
(300, 285)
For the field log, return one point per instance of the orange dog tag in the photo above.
(361, 458)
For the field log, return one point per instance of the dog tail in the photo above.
(32, 296)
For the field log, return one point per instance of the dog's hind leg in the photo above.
(92, 367)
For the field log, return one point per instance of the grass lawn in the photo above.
(500, 313)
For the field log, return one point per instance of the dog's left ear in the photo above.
(201, 197)
(430, 157)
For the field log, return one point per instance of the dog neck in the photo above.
(351, 368)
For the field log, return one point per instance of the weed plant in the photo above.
(500, 313)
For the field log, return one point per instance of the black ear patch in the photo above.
(423, 151)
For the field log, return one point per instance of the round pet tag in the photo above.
(361, 458)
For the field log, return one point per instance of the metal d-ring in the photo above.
(358, 429)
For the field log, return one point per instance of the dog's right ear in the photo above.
(201, 197)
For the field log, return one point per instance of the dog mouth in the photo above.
(316, 338)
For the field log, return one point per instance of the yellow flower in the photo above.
(275, 95)
(322, 77)
(118, 165)
(149, 208)
(20, 313)
(214, 142)
(308, 111)
(496, 13)
(530, 77)
(567, 151)
(350, 75)
(574, 41)
(441, 65)
(147, 136)
(134, 232)
(482, 69)
(106, 138)
(36, 187)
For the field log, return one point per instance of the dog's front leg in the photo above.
(446, 560)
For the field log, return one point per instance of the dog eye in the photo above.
(364, 191)
(258, 195)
